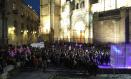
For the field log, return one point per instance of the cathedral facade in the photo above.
(69, 20)
(81, 21)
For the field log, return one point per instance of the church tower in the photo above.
(50, 19)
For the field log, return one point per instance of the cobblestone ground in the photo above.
(33, 75)
(115, 76)
(56, 74)
(102, 76)
(40, 75)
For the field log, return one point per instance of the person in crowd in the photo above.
(1, 63)
(44, 60)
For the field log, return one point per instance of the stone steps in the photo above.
(7, 69)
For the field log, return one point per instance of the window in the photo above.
(72, 4)
(67, 0)
(15, 23)
(82, 5)
(22, 26)
(77, 5)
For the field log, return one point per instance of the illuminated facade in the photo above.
(69, 20)
(75, 20)
(50, 19)
(104, 5)
(111, 22)
(21, 25)
(79, 21)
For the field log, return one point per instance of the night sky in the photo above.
(35, 4)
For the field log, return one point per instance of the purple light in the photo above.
(116, 49)
(121, 56)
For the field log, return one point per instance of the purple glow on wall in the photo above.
(121, 56)
(116, 49)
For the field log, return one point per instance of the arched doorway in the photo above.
(79, 31)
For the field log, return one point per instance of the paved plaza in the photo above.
(40, 75)
(62, 74)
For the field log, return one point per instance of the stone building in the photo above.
(20, 24)
(89, 21)
(111, 22)
(50, 19)
(68, 19)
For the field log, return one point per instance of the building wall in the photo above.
(109, 29)
(104, 5)
(22, 22)
(56, 23)
(50, 19)
(71, 20)
(129, 24)
(62, 16)
(45, 19)
(75, 20)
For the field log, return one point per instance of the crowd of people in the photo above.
(10, 55)
(67, 55)
(78, 56)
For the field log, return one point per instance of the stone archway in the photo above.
(79, 31)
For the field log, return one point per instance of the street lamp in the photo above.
(11, 33)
